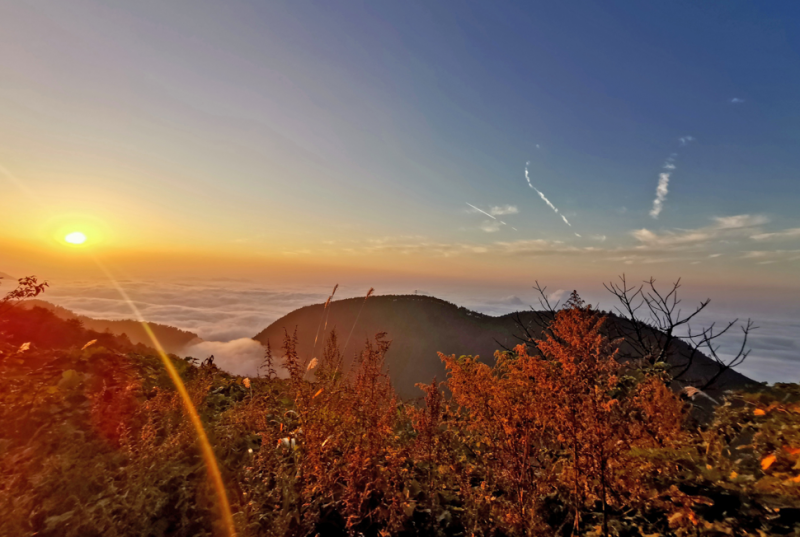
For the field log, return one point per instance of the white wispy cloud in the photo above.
(776, 235)
(427, 247)
(670, 238)
(684, 140)
(535, 247)
(544, 198)
(737, 225)
(501, 210)
(736, 100)
(416, 245)
(661, 194)
(490, 226)
(662, 189)
(739, 221)
(773, 256)
(556, 295)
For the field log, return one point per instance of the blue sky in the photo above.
(353, 135)
(606, 89)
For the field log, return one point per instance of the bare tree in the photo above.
(538, 321)
(657, 330)
(654, 329)
(706, 339)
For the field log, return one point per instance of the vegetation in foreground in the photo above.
(556, 437)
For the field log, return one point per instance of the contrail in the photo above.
(661, 194)
(481, 211)
(544, 198)
(490, 216)
(663, 179)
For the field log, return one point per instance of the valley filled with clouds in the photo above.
(227, 313)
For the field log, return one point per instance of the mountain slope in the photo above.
(172, 339)
(421, 326)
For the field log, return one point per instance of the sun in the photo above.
(76, 237)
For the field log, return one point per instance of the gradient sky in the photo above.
(298, 140)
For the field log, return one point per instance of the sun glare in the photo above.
(76, 237)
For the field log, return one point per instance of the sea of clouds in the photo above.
(227, 313)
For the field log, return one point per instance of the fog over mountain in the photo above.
(232, 311)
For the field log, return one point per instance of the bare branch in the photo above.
(653, 324)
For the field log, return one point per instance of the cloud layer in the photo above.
(240, 356)
(228, 313)
(216, 311)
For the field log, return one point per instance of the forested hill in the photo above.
(421, 326)
(172, 339)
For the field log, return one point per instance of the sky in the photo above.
(405, 144)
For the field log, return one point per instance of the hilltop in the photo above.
(421, 326)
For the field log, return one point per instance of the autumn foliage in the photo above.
(565, 420)
(557, 437)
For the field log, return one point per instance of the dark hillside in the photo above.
(40, 328)
(421, 326)
(172, 339)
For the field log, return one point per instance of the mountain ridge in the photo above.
(172, 339)
(421, 326)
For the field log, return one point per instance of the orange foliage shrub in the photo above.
(564, 421)
(333, 452)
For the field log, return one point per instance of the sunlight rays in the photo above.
(205, 445)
